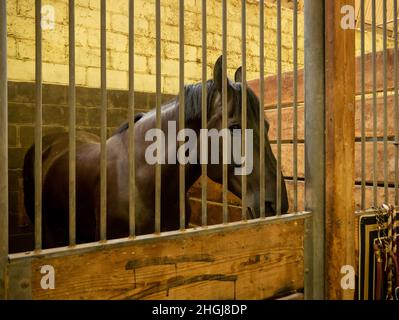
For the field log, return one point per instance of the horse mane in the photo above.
(193, 99)
(253, 111)
(124, 126)
(193, 104)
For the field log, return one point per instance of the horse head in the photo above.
(234, 123)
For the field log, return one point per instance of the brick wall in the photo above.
(55, 42)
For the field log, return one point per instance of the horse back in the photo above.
(55, 154)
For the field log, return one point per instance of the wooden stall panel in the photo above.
(287, 91)
(380, 117)
(288, 165)
(261, 262)
(380, 162)
(357, 191)
(380, 73)
(287, 80)
(287, 124)
(287, 159)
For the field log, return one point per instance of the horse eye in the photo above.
(235, 127)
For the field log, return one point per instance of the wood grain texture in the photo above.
(249, 263)
(287, 123)
(288, 161)
(340, 148)
(357, 195)
(287, 80)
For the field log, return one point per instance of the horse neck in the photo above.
(170, 112)
(193, 171)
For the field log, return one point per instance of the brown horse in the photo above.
(55, 170)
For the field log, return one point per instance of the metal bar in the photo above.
(3, 150)
(396, 78)
(363, 104)
(384, 14)
(374, 67)
(72, 126)
(244, 104)
(370, 211)
(158, 115)
(38, 127)
(149, 238)
(132, 163)
(279, 114)
(224, 116)
(314, 149)
(103, 160)
(261, 109)
(182, 180)
(295, 98)
(204, 116)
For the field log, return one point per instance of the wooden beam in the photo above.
(287, 162)
(287, 80)
(288, 123)
(340, 147)
(262, 261)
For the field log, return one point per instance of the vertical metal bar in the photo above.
(3, 150)
(72, 126)
(38, 128)
(314, 149)
(244, 104)
(182, 182)
(295, 106)
(279, 71)
(224, 117)
(204, 115)
(386, 193)
(132, 163)
(396, 78)
(363, 107)
(374, 67)
(103, 161)
(158, 115)
(261, 108)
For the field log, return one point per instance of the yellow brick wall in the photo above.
(21, 41)
(55, 42)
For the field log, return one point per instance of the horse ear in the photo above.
(238, 75)
(218, 73)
